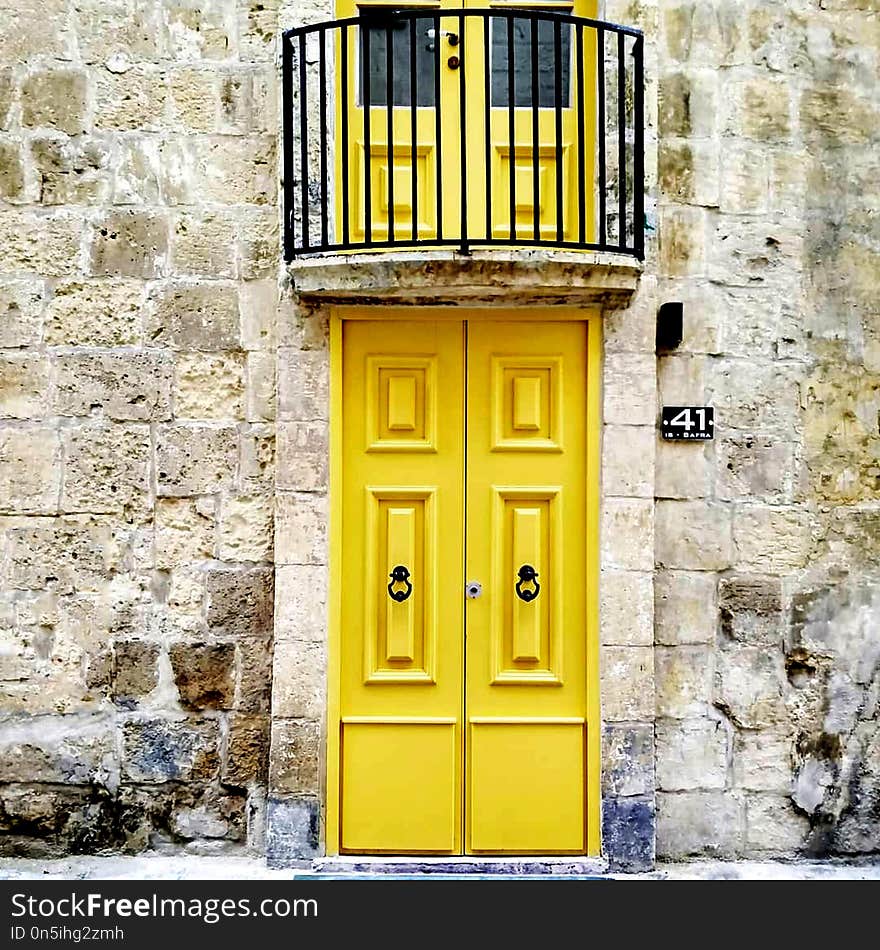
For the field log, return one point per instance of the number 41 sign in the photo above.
(688, 422)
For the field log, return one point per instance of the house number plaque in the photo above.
(687, 423)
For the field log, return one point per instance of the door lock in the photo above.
(473, 589)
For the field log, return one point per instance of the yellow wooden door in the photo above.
(526, 700)
(401, 619)
(463, 720)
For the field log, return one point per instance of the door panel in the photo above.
(401, 663)
(526, 644)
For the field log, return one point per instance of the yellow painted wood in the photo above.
(527, 402)
(402, 402)
(527, 549)
(400, 637)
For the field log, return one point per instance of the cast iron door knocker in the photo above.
(527, 575)
(399, 575)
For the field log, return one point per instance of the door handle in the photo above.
(399, 575)
(527, 575)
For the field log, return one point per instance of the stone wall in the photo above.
(767, 585)
(138, 274)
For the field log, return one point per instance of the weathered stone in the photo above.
(125, 385)
(749, 685)
(293, 765)
(21, 312)
(235, 170)
(688, 103)
(627, 676)
(772, 824)
(212, 817)
(683, 241)
(209, 386)
(204, 674)
(131, 100)
(301, 528)
(253, 694)
(129, 244)
(248, 101)
(627, 534)
(257, 302)
(71, 171)
(683, 681)
(74, 750)
(30, 473)
(184, 531)
(750, 609)
(240, 601)
(293, 830)
(683, 470)
(24, 384)
(627, 453)
(757, 469)
(165, 750)
(688, 172)
(745, 175)
(7, 94)
(95, 313)
(691, 754)
(301, 607)
(117, 31)
(300, 669)
(693, 535)
(135, 671)
(629, 381)
(772, 539)
(245, 529)
(199, 31)
(194, 317)
(47, 244)
(303, 385)
(628, 833)
(11, 171)
(195, 459)
(303, 456)
(257, 457)
(763, 761)
(258, 243)
(758, 108)
(55, 98)
(260, 387)
(627, 760)
(247, 751)
(204, 244)
(193, 99)
(700, 823)
(626, 608)
(684, 608)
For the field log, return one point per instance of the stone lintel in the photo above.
(482, 277)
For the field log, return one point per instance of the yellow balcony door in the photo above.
(464, 718)
(452, 129)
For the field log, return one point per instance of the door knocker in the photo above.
(527, 575)
(399, 575)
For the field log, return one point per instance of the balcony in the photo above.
(417, 129)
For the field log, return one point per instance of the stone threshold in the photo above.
(467, 867)
(487, 276)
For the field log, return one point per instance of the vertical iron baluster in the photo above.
(639, 149)
(487, 92)
(536, 141)
(368, 152)
(325, 185)
(582, 172)
(413, 117)
(389, 111)
(462, 95)
(600, 131)
(287, 99)
(438, 131)
(304, 142)
(511, 123)
(557, 82)
(621, 138)
(344, 115)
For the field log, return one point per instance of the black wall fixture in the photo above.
(670, 320)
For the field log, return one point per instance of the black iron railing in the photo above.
(407, 128)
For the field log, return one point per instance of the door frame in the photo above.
(592, 319)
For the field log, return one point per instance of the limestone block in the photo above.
(135, 671)
(21, 312)
(146, 170)
(12, 182)
(245, 528)
(235, 170)
(24, 384)
(626, 608)
(103, 312)
(755, 469)
(301, 528)
(257, 27)
(71, 171)
(750, 609)
(209, 386)
(691, 754)
(204, 674)
(194, 317)
(772, 824)
(294, 762)
(129, 244)
(55, 98)
(627, 678)
(240, 601)
(684, 679)
(210, 817)
(299, 679)
(633, 330)
(193, 99)
(257, 461)
(753, 396)
(303, 456)
(303, 385)
(134, 99)
(257, 304)
(258, 243)
(184, 531)
(788, 180)
(204, 244)
(199, 29)
(195, 459)
(772, 540)
(836, 114)
(704, 316)
(163, 750)
(683, 470)
(758, 108)
(749, 684)
(47, 244)
(247, 751)
(700, 823)
(254, 690)
(627, 760)
(684, 608)
(260, 387)
(301, 603)
(752, 250)
(628, 456)
(689, 103)
(128, 385)
(627, 532)
(683, 241)
(7, 95)
(688, 172)
(745, 179)
(30, 470)
(118, 32)
(763, 761)
(629, 389)
(628, 833)
(248, 101)
(693, 535)
(107, 469)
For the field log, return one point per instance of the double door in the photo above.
(463, 635)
